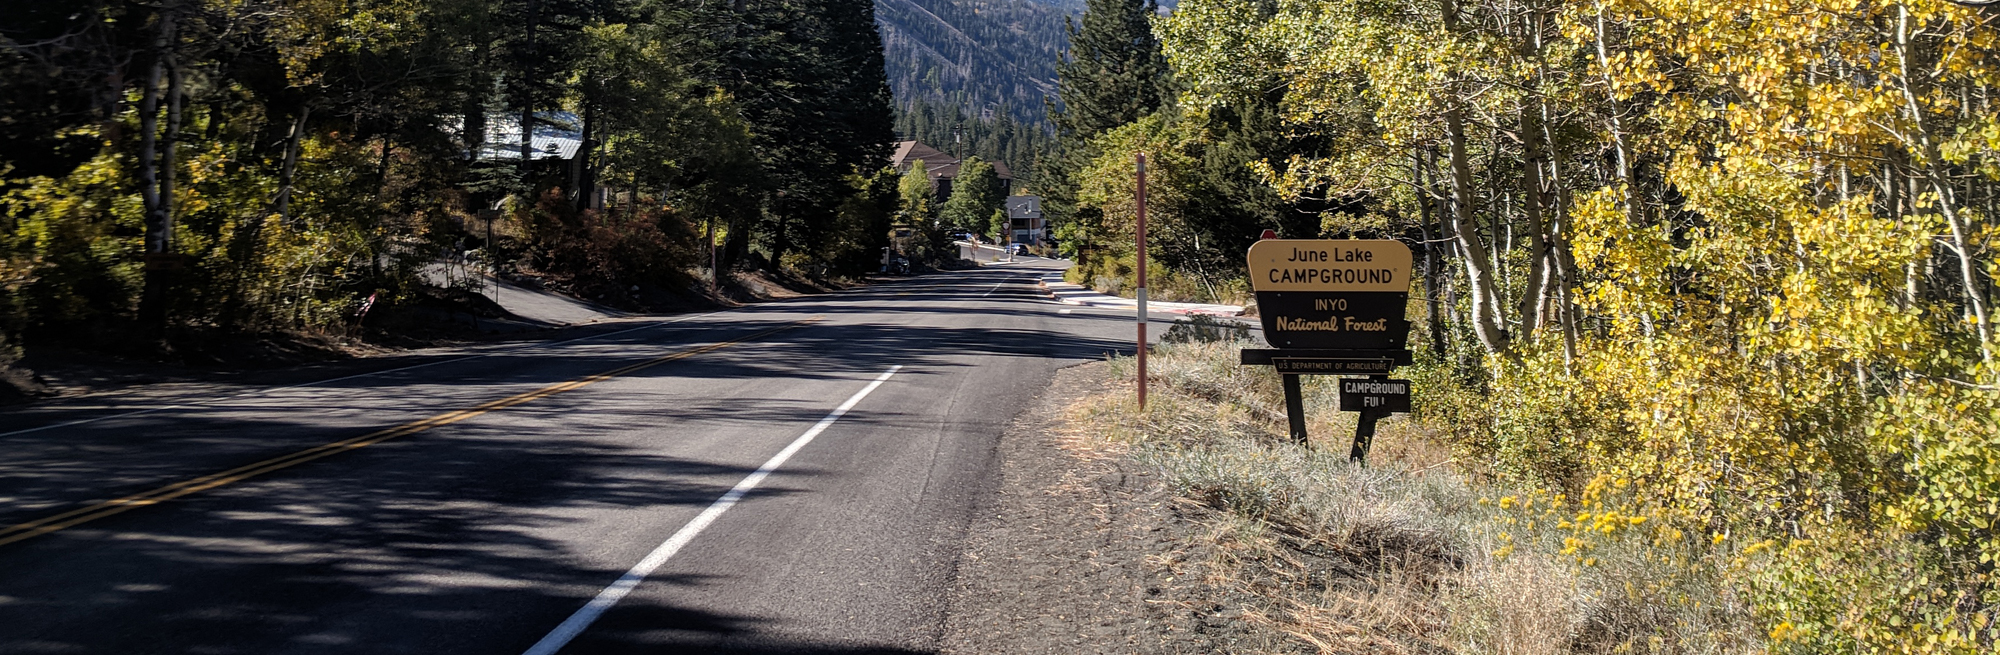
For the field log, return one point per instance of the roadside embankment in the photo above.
(1290, 549)
(450, 309)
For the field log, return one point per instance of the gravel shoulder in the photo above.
(1083, 550)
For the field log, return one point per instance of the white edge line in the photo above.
(588, 614)
(315, 383)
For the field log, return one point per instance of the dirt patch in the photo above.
(18, 385)
(752, 286)
(438, 316)
(1083, 550)
(955, 264)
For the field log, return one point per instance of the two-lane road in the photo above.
(791, 477)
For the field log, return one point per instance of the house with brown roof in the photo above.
(941, 167)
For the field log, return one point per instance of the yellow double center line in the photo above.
(100, 510)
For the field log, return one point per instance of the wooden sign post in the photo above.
(1335, 307)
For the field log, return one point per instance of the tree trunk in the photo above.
(375, 242)
(473, 137)
(735, 246)
(1534, 301)
(156, 189)
(1432, 297)
(1446, 235)
(1627, 169)
(528, 103)
(288, 173)
(149, 169)
(1619, 139)
(1975, 289)
(1562, 276)
(1478, 264)
(1478, 267)
(580, 173)
(528, 149)
(114, 106)
(1560, 229)
(170, 152)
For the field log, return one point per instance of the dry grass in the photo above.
(1403, 556)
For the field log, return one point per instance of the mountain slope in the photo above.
(980, 55)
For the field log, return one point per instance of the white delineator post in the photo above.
(1141, 158)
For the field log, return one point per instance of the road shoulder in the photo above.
(1083, 550)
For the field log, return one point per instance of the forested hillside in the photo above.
(982, 56)
(196, 167)
(1711, 282)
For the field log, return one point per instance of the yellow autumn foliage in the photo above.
(1742, 256)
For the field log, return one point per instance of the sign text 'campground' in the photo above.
(1331, 294)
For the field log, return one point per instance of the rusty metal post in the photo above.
(1141, 158)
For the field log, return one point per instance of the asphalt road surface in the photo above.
(656, 485)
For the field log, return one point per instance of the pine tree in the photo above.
(988, 55)
(809, 76)
(1114, 74)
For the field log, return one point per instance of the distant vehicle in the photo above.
(899, 265)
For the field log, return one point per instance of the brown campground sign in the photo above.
(1335, 308)
(1326, 294)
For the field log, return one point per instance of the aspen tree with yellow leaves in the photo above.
(1726, 268)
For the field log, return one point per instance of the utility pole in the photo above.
(1141, 158)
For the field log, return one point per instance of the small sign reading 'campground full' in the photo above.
(1324, 293)
(1374, 394)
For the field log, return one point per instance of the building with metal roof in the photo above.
(558, 135)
